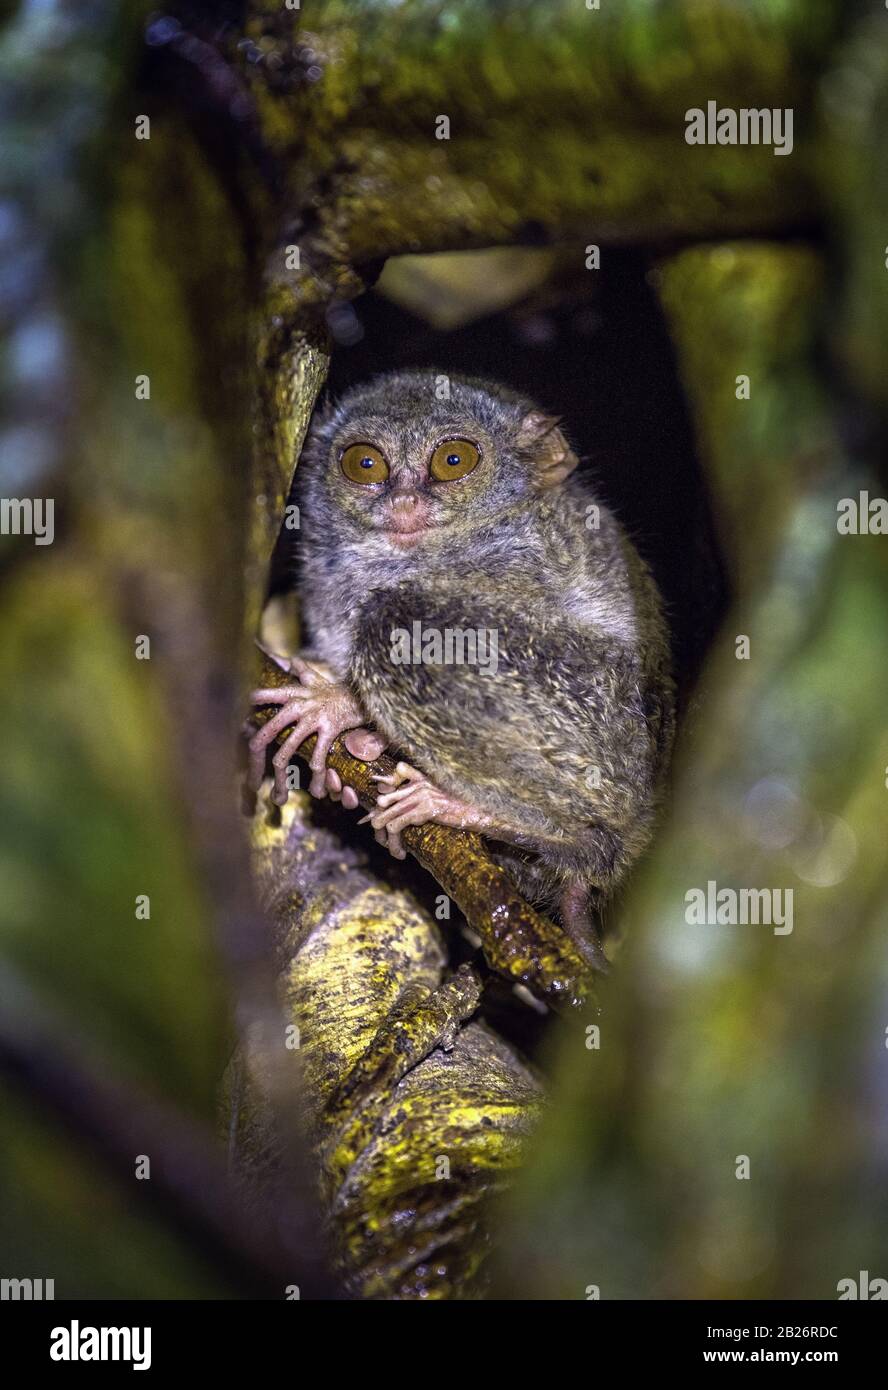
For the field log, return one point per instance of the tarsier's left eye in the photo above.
(454, 459)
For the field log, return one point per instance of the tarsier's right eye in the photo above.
(364, 463)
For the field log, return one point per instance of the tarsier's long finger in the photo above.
(275, 694)
(290, 714)
(318, 762)
(281, 760)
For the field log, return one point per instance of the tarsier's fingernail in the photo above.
(364, 820)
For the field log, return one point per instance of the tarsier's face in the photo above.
(403, 466)
(402, 481)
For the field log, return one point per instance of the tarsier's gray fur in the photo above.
(583, 676)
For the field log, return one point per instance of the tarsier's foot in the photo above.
(317, 705)
(411, 799)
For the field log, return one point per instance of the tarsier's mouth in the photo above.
(403, 535)
(398, 527)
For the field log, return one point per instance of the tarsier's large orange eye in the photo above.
(454, 459)
(364, 463)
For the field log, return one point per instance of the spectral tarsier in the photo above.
(488, 616)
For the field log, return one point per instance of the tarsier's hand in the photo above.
(409, 798)
(317, 705)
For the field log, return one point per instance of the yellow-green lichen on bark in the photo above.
(418, 1113)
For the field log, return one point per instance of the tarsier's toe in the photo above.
(401, 793)
(400, 812)
(402, 775)
(391, 841)
(384, 834)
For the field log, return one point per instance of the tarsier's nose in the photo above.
(404, 501)
(407, 512)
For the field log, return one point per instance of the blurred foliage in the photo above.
(95, 292)
(722, 1041)
(168, 257)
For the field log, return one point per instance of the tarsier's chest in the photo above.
(333, 612)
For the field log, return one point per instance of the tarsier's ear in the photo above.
(553, 456)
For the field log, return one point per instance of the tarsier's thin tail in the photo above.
(582, 922)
